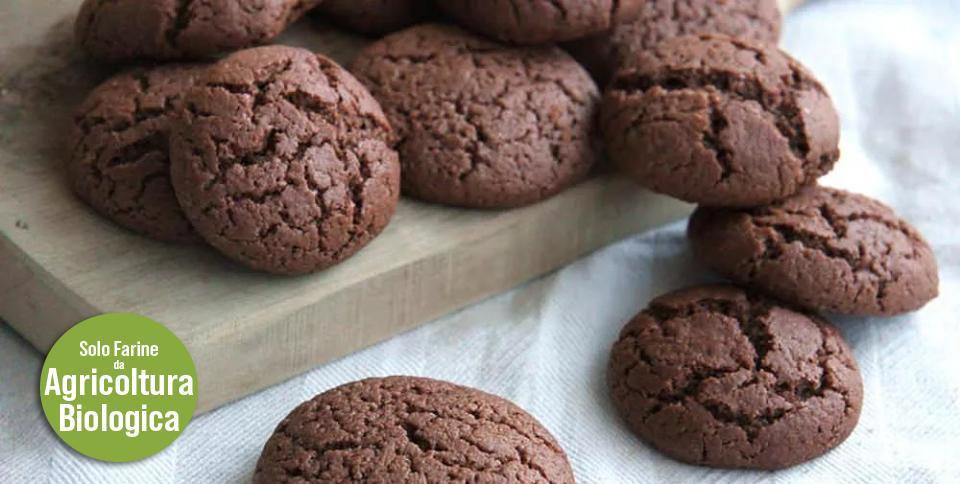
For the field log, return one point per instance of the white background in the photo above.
(893, 68)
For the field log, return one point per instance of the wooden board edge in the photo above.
(276, 350)
(31, 295)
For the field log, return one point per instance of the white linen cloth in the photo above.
(893, 68)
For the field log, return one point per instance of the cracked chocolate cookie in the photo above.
(125, 30)
(481, 124)
(119, 162)
(281, 160)
(825, 249)
(719, 377)
(658, 20)
(531, 22)
(719, 121)
(406, 429)
(373, 17)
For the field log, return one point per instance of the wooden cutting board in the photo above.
(61, 263)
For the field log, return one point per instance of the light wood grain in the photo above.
(61, 263)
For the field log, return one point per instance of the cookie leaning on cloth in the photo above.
(717, 376)
(825, 249)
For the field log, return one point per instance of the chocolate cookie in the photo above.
(718, 377)
(603, 54)
(373, 17)
(825, 249)
(117, 31)
(481, 124)
(281, 160)
(718, 121)
(119, 161)
(539, 22)
(406, 429)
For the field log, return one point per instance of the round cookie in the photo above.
(719, 377)
(373, 17)
(406, 429)
(119, 161)
(531, 22)
(825, 249)
(480, 124)
(281, 160)
(719, 121)
(658, 20)
(119, 31)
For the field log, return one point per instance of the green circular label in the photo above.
(118, 387)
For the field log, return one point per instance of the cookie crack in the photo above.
(748, 318)
(415, 437)
(712, 141)
(180, 21)
(752, 425)
(258, 90)
(781, 105)
(688, 391)
(133, 153)
(816, 242)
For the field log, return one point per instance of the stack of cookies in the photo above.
(745, 377)
(287, 163)
(276, 156)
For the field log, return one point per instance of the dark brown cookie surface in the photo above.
(658, 20)
(119, 162)
(481, 124)
(717, 121)
(540, 22)
(406, 429)
(117, 31)
(825, 249)
(713, 376)
(373, 17)
(281, 160)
